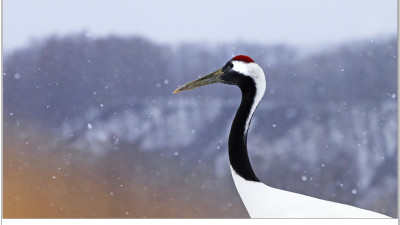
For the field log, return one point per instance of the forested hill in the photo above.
(74, 73)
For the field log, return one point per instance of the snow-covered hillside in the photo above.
(327, 126)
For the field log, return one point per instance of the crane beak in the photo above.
(211, 78)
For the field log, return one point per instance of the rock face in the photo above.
(326, 127)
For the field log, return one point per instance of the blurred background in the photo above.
(92, 130)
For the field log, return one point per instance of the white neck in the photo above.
(254, 71)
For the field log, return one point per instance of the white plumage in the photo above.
(262, 201)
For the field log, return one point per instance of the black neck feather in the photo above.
(238, 156)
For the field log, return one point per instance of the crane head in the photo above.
(241, 70)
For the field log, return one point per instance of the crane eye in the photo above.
(228, 66)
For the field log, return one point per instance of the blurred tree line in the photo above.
(66, 75)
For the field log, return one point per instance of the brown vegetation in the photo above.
(63, 183)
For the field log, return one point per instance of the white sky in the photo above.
(295, 22)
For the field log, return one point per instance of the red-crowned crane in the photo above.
(262, 201)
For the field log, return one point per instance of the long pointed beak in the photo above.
(211, 78)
